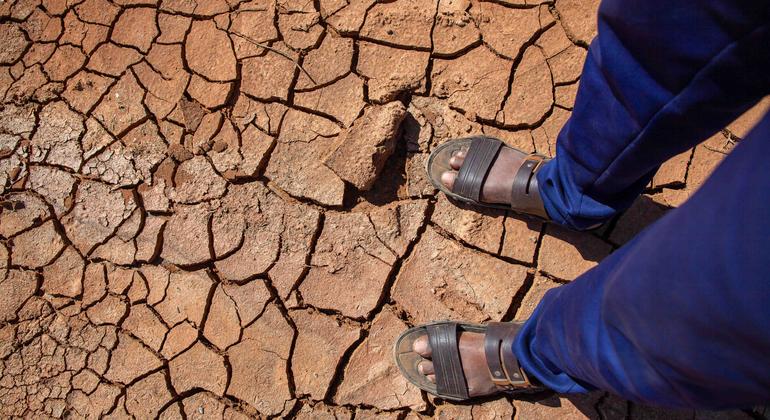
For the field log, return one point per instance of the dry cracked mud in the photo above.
(218, 209)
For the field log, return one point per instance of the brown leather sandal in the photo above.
(450, 383)
(481, 152)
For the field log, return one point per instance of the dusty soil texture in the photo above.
(218, 209)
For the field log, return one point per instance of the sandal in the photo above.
(481, 152)
(450, 383)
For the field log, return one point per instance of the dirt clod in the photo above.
(208, 52)
(361, 151)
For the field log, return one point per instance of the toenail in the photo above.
(420, 346)
(447, 177)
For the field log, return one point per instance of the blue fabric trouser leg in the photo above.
(662, 76)
(680, 316)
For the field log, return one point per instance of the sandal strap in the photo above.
(525, 194)
(504, 368)
(478, 161)
(450, 378)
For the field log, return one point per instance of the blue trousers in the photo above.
(679, 316)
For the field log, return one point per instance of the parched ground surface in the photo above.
(218, 208)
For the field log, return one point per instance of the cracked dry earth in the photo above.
(218, 209)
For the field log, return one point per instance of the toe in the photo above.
(421, 346)
(448, 179)
(457, 159)
(425, 367)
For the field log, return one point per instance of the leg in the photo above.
(679, 316)
(661, 77)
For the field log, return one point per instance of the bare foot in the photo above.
(473, 359)
(497, 186)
